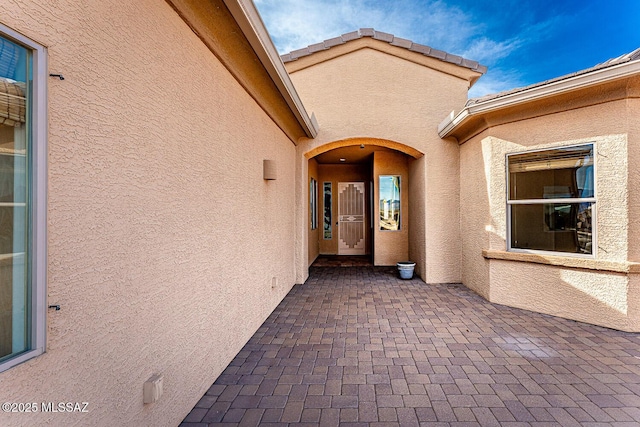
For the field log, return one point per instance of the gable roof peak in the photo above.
(388, 38)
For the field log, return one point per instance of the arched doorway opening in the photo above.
(359, 197)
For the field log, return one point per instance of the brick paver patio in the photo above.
(358, 346)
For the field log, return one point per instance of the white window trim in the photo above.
(38, 243)
(594, 211)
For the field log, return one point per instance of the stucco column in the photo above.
(301, 232)
(417, 213)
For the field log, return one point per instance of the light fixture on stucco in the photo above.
(269, 170)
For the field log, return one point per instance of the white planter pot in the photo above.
(405, 268)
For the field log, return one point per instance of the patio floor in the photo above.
(358, 346)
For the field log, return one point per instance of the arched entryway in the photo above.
(359, 193)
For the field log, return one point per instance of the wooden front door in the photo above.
(351, 224)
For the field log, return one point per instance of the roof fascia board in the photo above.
(248, 18)
(451, 122)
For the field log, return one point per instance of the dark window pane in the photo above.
(327, 210)
(552, 174)
(12, 229)
(552, 184)
(552, 227)
(12, 175)
(313, 199)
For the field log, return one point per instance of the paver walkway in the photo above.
(358, 346)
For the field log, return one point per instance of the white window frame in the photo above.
(594, 215)
(37, 251)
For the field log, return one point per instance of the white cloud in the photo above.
(488, 52)
(294, 24)
(495, 81)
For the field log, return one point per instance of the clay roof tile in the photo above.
(400, 42)
(385, 37)
(329, 43)
(631, 56)
(391, 39)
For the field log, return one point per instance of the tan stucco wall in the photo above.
(595, 293)
(442, 198)
(212, 21)
(313, 245)
(166, 248)
(633, 112)
(476, 227)
(391, 247)
(342, 173)
(586, 296)
(369, 93)
(417, 208)
(633, 123)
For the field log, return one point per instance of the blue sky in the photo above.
(521, 41)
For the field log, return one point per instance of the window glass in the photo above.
(552, 227)
(551, 198)
(15, 292)
(313, 199)
(389, 202)
(552, 174)
(327, 211)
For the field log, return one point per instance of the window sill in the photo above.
(21, 358)
(563, 261)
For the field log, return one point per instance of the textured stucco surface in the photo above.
(476, 227)
(166, 248)
(600, 297)
(313, 245)
(391, 246)
(586, 296)
(368, 93)
(633, 301)
(212, 21)
(417, 206)
(442, 222)
(633, 112)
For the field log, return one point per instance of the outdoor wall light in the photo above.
(269, 170)
(152, 390)
(343, 160)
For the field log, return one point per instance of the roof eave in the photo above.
(452, 122)
(248, 19)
